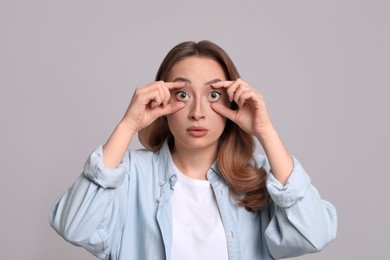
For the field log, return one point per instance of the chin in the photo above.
(199, 143)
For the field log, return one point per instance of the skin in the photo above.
(193, 155)
(198, 76)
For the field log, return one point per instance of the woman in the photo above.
(198, 191)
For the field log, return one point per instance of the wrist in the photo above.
(127, 126)
(267, 134)
(117, 144)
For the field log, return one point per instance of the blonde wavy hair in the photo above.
(235, 161)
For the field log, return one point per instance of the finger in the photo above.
(167, 95)
(225, 84)
(240, 91)
(168, 86)
(157, 91)
(157, 98)
(148, 94)
(222, 84)
(174, 85)
(161, 94)
(154, 104)
(248, 95)
(228, 85)
(174, 107)
(224, 111)
(143, 97)
(168, 109)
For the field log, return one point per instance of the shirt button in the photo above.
(172, 180)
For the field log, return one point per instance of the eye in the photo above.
(214, 96)
(182, 95)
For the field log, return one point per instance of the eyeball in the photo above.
(182, 95)
(214, 96)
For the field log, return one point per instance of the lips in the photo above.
(197, 131)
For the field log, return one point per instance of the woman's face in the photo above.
(197, 125)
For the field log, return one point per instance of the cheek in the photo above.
(224, 100)
(171, 119)
(218, 120)
(176, 117)
(172, 98)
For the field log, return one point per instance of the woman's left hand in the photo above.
(252, 115)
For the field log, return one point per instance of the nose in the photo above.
(197, 110)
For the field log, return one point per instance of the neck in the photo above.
(194, 163)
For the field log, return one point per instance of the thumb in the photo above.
(224, 111)
(170, 108)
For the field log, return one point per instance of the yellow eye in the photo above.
(182, 95)
(214, 96)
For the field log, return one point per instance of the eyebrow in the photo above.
(189, 81)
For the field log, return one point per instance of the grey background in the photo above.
(68, 70)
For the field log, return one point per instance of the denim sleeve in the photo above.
(92, 210)
(301, 221)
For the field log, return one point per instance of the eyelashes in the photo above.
(212, 97)
(181, 95)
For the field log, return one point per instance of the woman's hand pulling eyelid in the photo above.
(223, 85)
(151, 101)
(252, 115)
(148, 103)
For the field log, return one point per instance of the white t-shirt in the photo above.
(197, 226)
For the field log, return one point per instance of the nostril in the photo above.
(196, 116)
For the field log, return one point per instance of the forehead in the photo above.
(197, 68)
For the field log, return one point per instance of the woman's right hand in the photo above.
(149, 102)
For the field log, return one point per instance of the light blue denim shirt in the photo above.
(125, 213)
